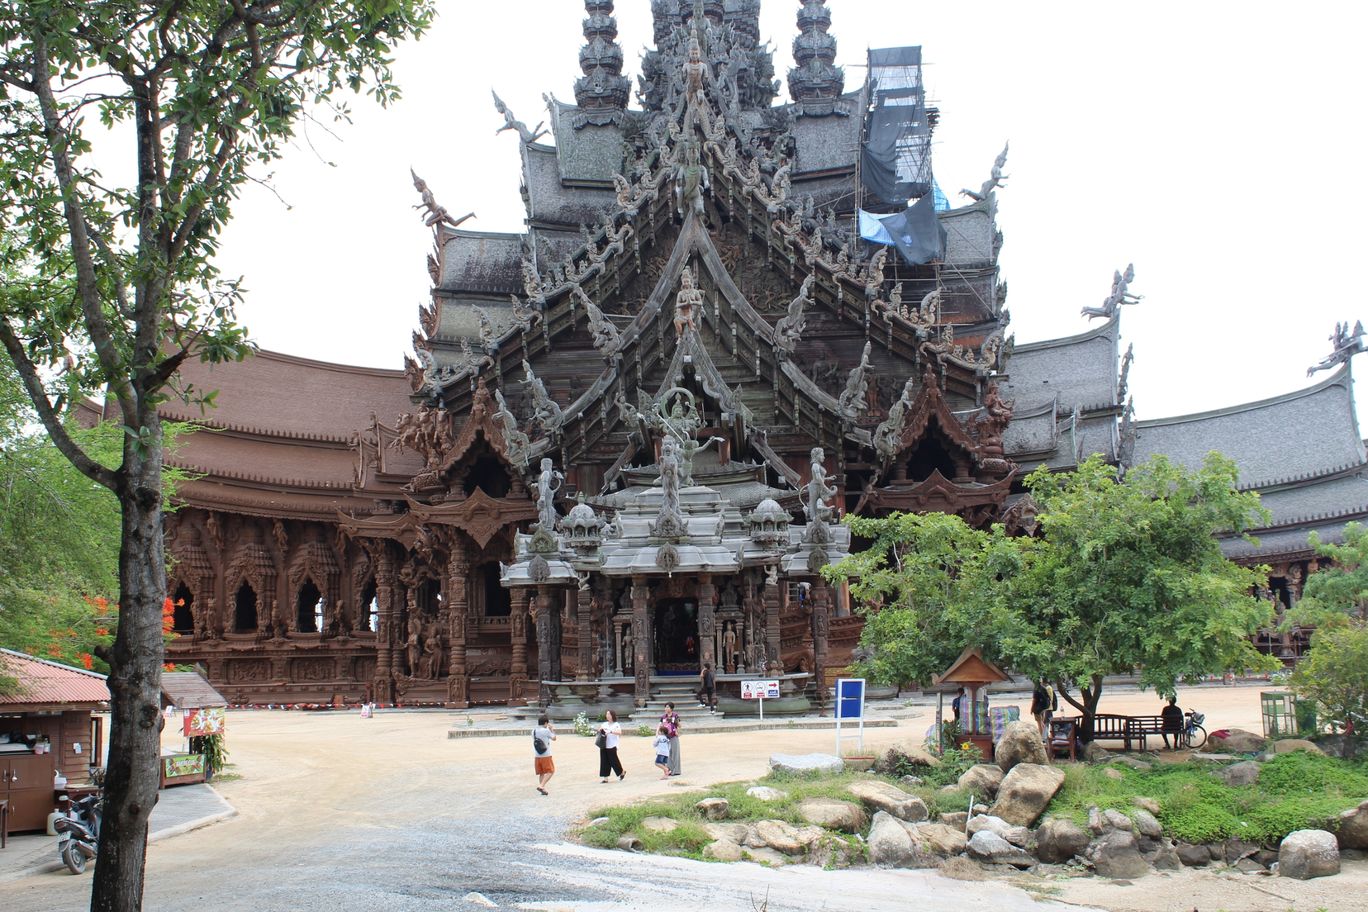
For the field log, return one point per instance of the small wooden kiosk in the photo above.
(47, 726)
(201, 711)
(974, 673)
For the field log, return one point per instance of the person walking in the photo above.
(670, 722)
(707, 687)
(609, 734)
(542, 762)
(1043, 705)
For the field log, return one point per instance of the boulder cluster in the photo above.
(1002, 827)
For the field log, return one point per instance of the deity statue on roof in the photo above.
(688, 304)
(548, 483)
(691, 180)
(435, 213)
(819, 489)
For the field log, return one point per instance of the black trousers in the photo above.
(609, 762)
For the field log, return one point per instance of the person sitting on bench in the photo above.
(1172, 723)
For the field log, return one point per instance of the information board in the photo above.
(760, 690)
(850, 693)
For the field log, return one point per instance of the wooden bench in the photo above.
(1129, 730)
(1140, 727)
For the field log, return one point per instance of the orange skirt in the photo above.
(544, 765)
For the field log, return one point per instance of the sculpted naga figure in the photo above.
(855, 399)
(790, 328)
(548, 483)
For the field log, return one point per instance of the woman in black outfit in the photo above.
(608, 752)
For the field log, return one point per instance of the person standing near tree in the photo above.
(609, 734)
(670, 722)
(1043, 704)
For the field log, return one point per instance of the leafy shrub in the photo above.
(584, 727)
(1334, 675)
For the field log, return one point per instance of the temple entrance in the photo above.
(676, 637)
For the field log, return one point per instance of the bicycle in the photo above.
(1193, 734)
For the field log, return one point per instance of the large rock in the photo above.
(988, 846)
(765, 856)
(1353, 828)
(1116, 854)
(1305, 854)
(1194, 856)
(938, 839)
(981, 779)
(722, 850)
(1235, 741)
(765, 793)
(1018, 836)
(1147, 824)
(1115, 820)
(918, 754)
(806, 764)
(956, 819)
(1020, 743)
(1059, 840)
(1288, 745)
(1026, 791)
(881, 796)
(659, 824)
(730, 832)
(785, 837)
(1240, 774)
(1095, 753)
(1146, 804)
(1162, 855)
(890, 844)
(713, 808)
(832, 814)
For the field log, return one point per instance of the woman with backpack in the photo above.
(542, 763)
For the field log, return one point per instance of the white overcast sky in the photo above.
(1217, 145)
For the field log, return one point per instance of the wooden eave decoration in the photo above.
(478, 515)
(931, 405)
(479, 421)
(972, 670)
(941, 494)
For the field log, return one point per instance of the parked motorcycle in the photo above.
(78, 833)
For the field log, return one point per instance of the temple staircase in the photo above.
(683, 694)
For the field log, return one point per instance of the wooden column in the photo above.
(641, 639)
(517, 675)
(772, 631)
(584, 635)
(707, 622)
(458, 608)
(548, 625)
(821, 617)
(383, 687)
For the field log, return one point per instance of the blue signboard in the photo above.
(850, 698)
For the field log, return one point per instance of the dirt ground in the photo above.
(305, 777)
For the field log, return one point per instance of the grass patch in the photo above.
(1295, 791)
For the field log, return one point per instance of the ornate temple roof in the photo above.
(1297, 436)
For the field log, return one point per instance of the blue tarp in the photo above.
(916, 231)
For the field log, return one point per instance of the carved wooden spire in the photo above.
(816, 82)
(602, 92)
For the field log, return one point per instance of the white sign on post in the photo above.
(760, 690)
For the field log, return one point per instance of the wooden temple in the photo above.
(627, 434)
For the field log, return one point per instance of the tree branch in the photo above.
(52, 422)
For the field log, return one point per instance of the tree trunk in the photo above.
(131, 778)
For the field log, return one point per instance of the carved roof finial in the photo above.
(816, 78)
(602, 90)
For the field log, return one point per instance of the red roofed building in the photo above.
(46, 726)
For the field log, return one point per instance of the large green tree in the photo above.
(1336, 595)
(1126, 576)
(59, 538)
(118, 282)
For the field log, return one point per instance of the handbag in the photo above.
(601, 739)
(538, 745)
